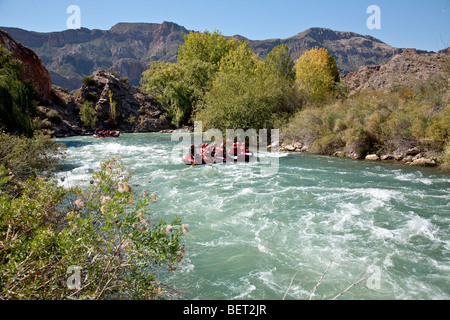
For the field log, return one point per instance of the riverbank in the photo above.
(411, 156)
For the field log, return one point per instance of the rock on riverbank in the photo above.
(414, 156)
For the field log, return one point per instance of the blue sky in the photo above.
(407, 24)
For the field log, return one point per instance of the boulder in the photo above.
(289, 148)
(398, 156)
(424, 162)
(412, 151)
(297, 145)
(407, 159)
(372, 157)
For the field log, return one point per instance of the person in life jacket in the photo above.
(192, 151)
(242, 149)
(221, 151)
(234, 149)
(214, 150)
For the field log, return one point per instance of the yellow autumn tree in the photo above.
(316, 74)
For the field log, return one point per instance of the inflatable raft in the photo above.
(201, 157)
(113, 134)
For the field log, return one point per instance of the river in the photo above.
(260, 236)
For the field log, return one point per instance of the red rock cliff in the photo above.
(33, 67)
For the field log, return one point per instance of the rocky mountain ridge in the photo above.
(130, 48)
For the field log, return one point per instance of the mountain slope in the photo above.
(407, 69)
(351, 50)
(129, 48)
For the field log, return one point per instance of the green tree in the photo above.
(17, 97)
(205, 46)
(180, 86)
(242, 95)
(166, 81)
(27, 158)
(112, 109)
(240, 60)
(278, 70)
(316, 74)
(237, 102)
(279, 61)
(88, 115)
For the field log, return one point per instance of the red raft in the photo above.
(107, 134)
(206, 154)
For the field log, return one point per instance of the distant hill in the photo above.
(130, 48)
(351, 50)
(407, 68)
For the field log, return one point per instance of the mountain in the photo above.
(407, 68)
(351, 50)
(130, 48)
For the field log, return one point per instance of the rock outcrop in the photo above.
(407, 68)
(33, 67)
(136, 111)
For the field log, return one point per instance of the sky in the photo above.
(419, 24)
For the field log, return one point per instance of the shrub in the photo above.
(125, 81)
(88, 114)
(104, 231)
(27, 158)
(54, 116)
(87, 81)
(445, 159)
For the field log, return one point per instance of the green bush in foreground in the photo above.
(104, 234)
(26, 158)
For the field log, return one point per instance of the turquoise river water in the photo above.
(254, 235)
